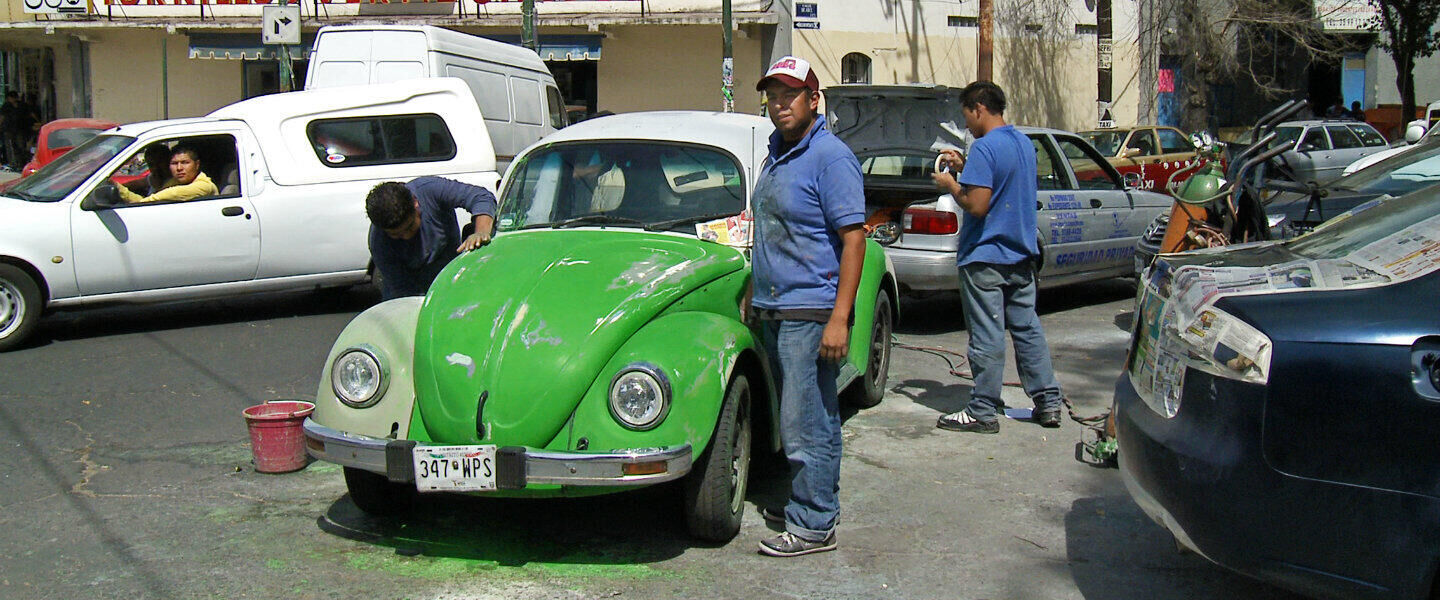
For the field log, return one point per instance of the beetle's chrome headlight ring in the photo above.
(639, 386)
(355, 361)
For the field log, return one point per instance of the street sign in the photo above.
(280, 25)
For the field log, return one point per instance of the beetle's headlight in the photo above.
(639, 396)
(359, 377)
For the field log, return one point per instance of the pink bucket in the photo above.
(277, 435)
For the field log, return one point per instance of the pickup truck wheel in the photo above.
(376, 494)
(715, 488)
(19, 306)
(869, 390)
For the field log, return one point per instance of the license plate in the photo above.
(454, 468)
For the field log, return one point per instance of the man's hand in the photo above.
(946, 181)
(484, 224)
(475, 240)
(835, 342)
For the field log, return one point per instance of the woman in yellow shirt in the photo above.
(186, 183)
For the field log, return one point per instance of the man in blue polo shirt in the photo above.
(809, 208)
(414, 233)
(997, 259)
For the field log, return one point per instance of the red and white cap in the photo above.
(792, 71)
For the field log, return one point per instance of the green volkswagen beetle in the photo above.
(596, 345)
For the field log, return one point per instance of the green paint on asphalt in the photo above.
(275, 564)
(449, 568)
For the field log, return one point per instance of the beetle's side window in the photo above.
(391, 139)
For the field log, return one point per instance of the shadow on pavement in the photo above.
(941, 313)
(119, 320)
(1116, 553)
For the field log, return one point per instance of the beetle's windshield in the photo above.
(57, 179)
(622, 184)
(1388, 219)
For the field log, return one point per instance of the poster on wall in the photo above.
(57, 7)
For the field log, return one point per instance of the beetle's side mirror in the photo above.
(102, 197)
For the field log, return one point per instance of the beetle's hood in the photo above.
(529, 321)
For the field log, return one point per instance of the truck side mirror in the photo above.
(104, 196)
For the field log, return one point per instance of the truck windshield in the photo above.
(650, 185)
(57, 179)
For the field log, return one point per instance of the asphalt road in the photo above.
(126, 473)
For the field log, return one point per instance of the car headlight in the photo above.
(639, 396)
(359, 377)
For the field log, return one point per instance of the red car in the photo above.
(1154, 153)
(59, 136)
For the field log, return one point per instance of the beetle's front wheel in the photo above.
(715, 487)
(376, 494)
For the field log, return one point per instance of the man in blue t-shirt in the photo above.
(998, 257)
(809, 206)
(414, 233)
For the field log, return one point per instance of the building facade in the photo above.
(134, 60)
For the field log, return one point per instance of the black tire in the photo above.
(869, 389)
(376, 494)
(715, 487)
(20, 306)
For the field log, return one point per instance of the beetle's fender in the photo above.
(697, 352)
(877, 270)
(388, 331)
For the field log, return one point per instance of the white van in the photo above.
(515, 91)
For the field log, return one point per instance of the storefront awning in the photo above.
(560, 48)
(243, 46)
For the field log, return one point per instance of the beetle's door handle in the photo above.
(232, 211)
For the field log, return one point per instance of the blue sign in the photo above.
(807, 10)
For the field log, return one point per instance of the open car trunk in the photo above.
(896, 131)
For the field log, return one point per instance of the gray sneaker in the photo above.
(788, 544)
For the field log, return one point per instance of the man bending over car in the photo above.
(414, 233)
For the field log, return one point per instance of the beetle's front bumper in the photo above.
(516, 466)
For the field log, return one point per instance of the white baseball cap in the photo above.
(792, 71)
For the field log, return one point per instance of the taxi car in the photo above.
(596, 344)
(1153, 154)
(1088, 223)
(1278, 408)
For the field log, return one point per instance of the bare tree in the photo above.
(1408, 36)
(1221, 41)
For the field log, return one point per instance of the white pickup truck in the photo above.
(292, 170)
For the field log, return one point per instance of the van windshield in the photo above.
(650, 185)
(59, 178)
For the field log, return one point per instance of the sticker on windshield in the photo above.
(334, 159)
(731, 231)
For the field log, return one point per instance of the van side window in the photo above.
(489, 88)
(556, 106)
(383, 140)
(527, 100)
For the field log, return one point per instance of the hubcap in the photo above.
(12, 308)
(879, 347)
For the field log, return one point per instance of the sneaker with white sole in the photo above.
(788, 544)
(771, 516)
(962, 421)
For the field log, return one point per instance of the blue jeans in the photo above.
(989, 292)
(809, 425)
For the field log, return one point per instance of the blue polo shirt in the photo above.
(804, 195)
(1004, 161)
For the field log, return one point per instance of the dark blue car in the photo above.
(1280, 408)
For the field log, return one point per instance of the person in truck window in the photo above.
(413, 232)
(186, 180)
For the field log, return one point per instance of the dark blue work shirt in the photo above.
(407, 267)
